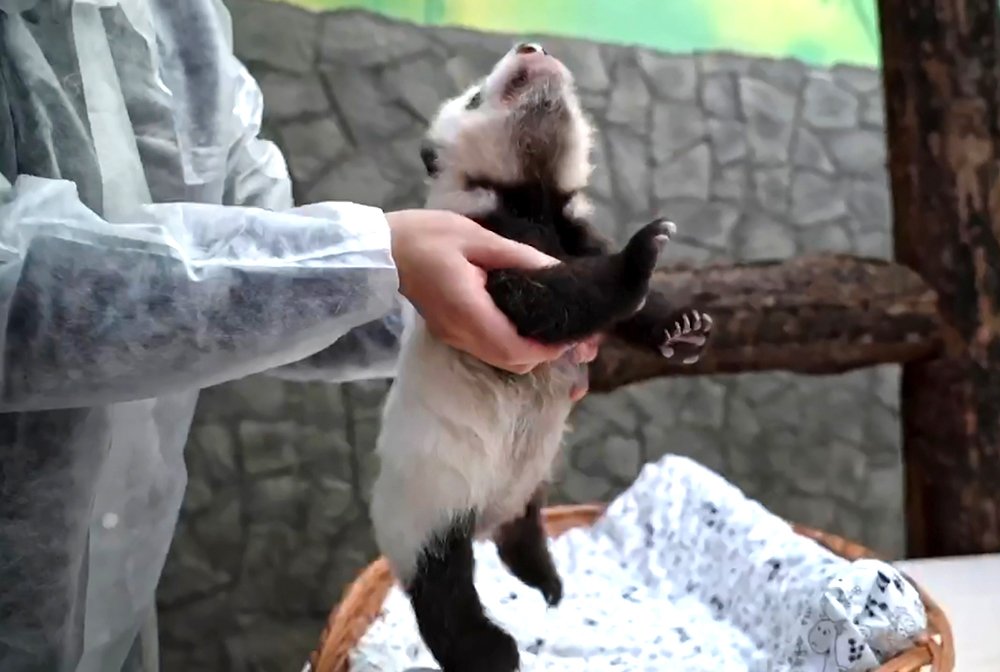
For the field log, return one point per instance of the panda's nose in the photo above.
(528, 48)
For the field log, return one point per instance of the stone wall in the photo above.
(752, 158)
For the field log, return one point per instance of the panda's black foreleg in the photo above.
(677, 332)
(523, 548)
(448, 611)
(582, 296)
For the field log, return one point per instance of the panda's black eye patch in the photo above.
(475, 101)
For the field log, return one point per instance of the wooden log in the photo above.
(942, 90)
(816, 314)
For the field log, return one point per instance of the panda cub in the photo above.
(465, 449)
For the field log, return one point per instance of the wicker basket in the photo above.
(363, 600)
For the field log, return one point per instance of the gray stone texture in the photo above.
(752, 158)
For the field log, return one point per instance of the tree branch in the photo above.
(815, 314)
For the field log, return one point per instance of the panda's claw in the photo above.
(687, 337)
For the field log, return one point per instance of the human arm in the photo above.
(98, 312)
(258, 177)
(367, 352)
(185, 295)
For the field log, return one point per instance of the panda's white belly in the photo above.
(459, 437)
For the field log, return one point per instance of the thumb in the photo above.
(489, 251)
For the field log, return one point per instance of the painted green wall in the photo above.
(820, 32)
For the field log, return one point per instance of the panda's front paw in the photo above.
(686, 338)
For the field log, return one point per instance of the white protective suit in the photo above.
(148, 248)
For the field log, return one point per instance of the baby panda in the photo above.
(465, 449)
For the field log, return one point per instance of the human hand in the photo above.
(442, 259)
(587, 351)
(583, 353)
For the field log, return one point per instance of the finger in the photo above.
(519, 369)
(493, 324)
(500, 358)
(479, 328)
(488, 251)
(495, 333)
(586, 352)
(515, 350)
(488, 333)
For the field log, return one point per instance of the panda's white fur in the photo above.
(458, 437)
(480, 142)
(456, 434)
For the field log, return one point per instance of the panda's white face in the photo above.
(522, 122)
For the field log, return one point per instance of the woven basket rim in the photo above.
(362, 602)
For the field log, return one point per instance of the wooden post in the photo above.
(942, 95)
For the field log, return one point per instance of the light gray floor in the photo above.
(968, 590)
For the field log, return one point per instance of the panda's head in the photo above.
(522, 123)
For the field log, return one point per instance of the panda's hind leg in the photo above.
(523, 548)
(449, 613)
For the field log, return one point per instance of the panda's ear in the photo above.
(429, 155)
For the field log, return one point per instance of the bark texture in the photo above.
(816, 314)
(943, 104)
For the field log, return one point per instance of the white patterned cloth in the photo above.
(682, 572)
